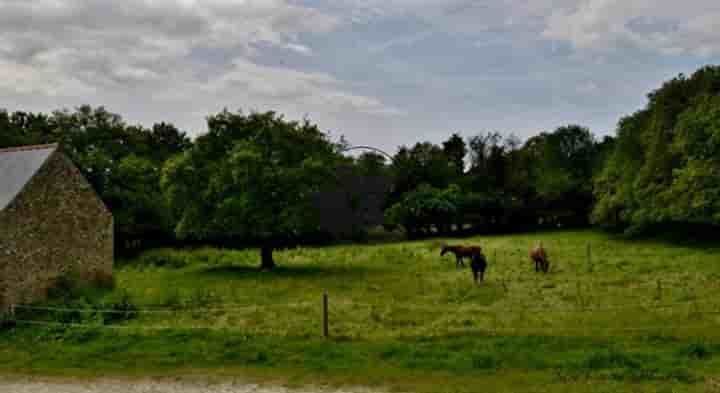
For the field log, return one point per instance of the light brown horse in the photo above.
(539, 256)
(461, 252)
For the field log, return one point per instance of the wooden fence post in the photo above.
(325, 315)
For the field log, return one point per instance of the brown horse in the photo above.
(461, 252)
(539, 256)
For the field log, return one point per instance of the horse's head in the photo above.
(444, 250)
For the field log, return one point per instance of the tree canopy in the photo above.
(665, 163)
(250, 177)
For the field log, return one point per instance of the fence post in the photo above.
(325, 315)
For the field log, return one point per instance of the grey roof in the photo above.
(17, 166)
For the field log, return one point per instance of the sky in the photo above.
(380, 72)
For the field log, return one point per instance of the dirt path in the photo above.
(146, 386)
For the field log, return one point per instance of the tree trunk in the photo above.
(268, 263)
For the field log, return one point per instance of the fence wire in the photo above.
(339, 310)
(349, 302)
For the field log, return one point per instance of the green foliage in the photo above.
(664, 167)
(424, 163)
(455, 150)
(122, 308)
(251, 177)
(425, 209)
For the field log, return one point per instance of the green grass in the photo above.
(642, 317)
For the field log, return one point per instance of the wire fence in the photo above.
(229, 307)
(340, 309)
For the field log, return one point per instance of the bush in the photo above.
(122, 308)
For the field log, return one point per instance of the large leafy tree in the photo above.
(423, 163)
(663, 167)
(251, 177)
(455, 150)
(563, 163)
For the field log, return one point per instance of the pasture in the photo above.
(637, 316)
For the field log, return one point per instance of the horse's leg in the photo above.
(537, 266)
(475, 275)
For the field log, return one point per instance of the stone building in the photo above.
(51, 223)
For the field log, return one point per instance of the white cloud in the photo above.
(663, 26)
(275, 85)
(299, 48)
(101, 51)
(668, 27)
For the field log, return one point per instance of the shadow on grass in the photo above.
(243, 272)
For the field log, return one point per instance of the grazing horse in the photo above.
(461, 252)
(539, 256)
(478, 264)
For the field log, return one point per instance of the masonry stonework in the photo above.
(57, 224)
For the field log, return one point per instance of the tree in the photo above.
(662, 169)
(371, 163)
(424, 163)
(455, 150)
(486, 162)
(251, 177)
(423, 209)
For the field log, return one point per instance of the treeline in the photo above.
(664, 171)
(260, 179)
(490, 183)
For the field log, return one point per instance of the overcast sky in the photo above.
(381, 72)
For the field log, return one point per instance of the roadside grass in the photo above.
(642, 316)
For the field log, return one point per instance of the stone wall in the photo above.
(56, 225)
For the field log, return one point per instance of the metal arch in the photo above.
(375, 149)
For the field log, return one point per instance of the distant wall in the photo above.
(57, 224)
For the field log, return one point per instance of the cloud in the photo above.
(275, 85)
(302, 49)
(389, 71)
(145, 51)
(661, 26)
(667, 27)
(399, 41)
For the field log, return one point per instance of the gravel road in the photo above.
(145, 386)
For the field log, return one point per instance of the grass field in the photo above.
(640, 316)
